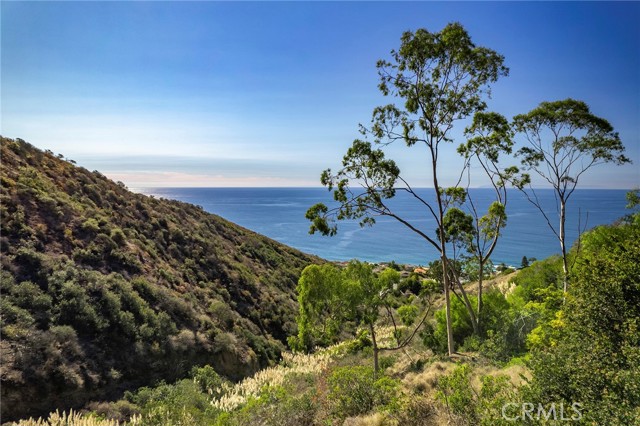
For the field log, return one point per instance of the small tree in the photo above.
(333, 301)
(440, 78)
(564, 140)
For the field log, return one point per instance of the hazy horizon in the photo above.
(269, 94)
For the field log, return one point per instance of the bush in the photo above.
(455, 392)
(180, 404)
(543, 274)
(355, 390)
(275, 406)
(408, 314)
(467, 406)
(208, 380)
(503, 327)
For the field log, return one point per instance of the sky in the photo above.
(178, 94)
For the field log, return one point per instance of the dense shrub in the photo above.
(595, 359)
(180, 404)
(356, 390)
(468, 406)
(542, 275)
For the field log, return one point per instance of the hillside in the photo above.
(105, 290)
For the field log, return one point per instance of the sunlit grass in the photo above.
(234, 396)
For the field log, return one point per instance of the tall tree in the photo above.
(440, 78)
(564, 140)
(490, 135)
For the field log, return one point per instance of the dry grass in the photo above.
(514, 372)
(424, 382)
(73, 419)
(233, 396)
(375, 419)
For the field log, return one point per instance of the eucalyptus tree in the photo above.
(439, 79)
(563, 141)
(490, 136)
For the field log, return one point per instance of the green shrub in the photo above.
(208, 380)
(90, 225)
(275, 406)
(503, 328)
(455, 392)
(465, 405)
(408, 314)
(117, 235)
(542, 274)
(180, 404)
(355, 390)
(361, 342)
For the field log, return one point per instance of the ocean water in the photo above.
(279, 214)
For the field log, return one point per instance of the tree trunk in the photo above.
(467, 304)
(447, 302)
(565, 267)
(375, 351)
(480, 293)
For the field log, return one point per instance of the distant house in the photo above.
(421, 271)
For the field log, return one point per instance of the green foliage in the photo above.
(504, 330)
(408, 314)
(532, 282)
(209, 381)
(91, 225)
(470, 407)
(275, 406)
(361, 341)
(633, 203)
(577, 132)
(180, 404)
(355, 390)
(455, 391)
(331, 298)
(595, 357)
(435, 337)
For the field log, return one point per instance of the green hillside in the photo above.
(105, 290)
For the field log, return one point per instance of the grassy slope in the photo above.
(105, 290)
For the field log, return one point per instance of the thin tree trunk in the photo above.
(375, 351)
(443, 250)
(480, 292)
(467, 304)
(565, 267)
(447, 302)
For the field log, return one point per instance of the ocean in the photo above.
(279, 213)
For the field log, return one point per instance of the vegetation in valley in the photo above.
(542, 355)
(105, 290)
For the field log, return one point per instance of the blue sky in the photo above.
(270, 94)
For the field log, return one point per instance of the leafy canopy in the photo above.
(439, 78)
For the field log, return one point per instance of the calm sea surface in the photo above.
(279, 214)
